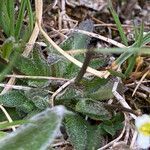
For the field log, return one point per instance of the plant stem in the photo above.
(86, 62)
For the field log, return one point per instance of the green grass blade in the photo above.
(140, 36)
(135, 28)
(146, 38)
(4, 18)
(118, 23)
(30, 14)
(131, 65)
(117, 74)
(19, 21)
(132, 59)
(123, 57)
(11, 13)
(29, 28)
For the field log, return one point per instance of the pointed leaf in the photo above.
(76, 128)
(82, 135)
(78, 40)
(93, 109)
(33, 66)
(18, 100)
(35, 135)
(7, 47)
(98, 89)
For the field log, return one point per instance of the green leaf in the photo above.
(76, 128)
(113, 125)
(38, 134)
(11, 13)
(81, 134)
(117, 74)
(69, 97)
(146, 38)
(7, 47)
(132, 59)
(93, 109)
(29, 28)
(12, 111)
(18, 100)
(132, 62)
(39, 97)
(140, 36)
(78, 40)
(109, 129)
(98, 89)
(95, 138)
(33, 66)
(12, 61)
(95, 89)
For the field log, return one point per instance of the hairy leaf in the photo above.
(98, 89)
(81, 134)
(33, 66)
(18, 100)
(39, 97)
(78, 40)
(35, 135)
(93, 109)
(77, 130)
(69, 97)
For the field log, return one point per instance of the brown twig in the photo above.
(86, 62)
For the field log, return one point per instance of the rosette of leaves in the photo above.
(85, 100)
(76, 40)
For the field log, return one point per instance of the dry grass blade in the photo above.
(35, 32)
(7, 116)
(143, 77)
(72, 59)
(10, 82)
(51, 101)
(121, 100)
(108, 40)
(35, 77)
